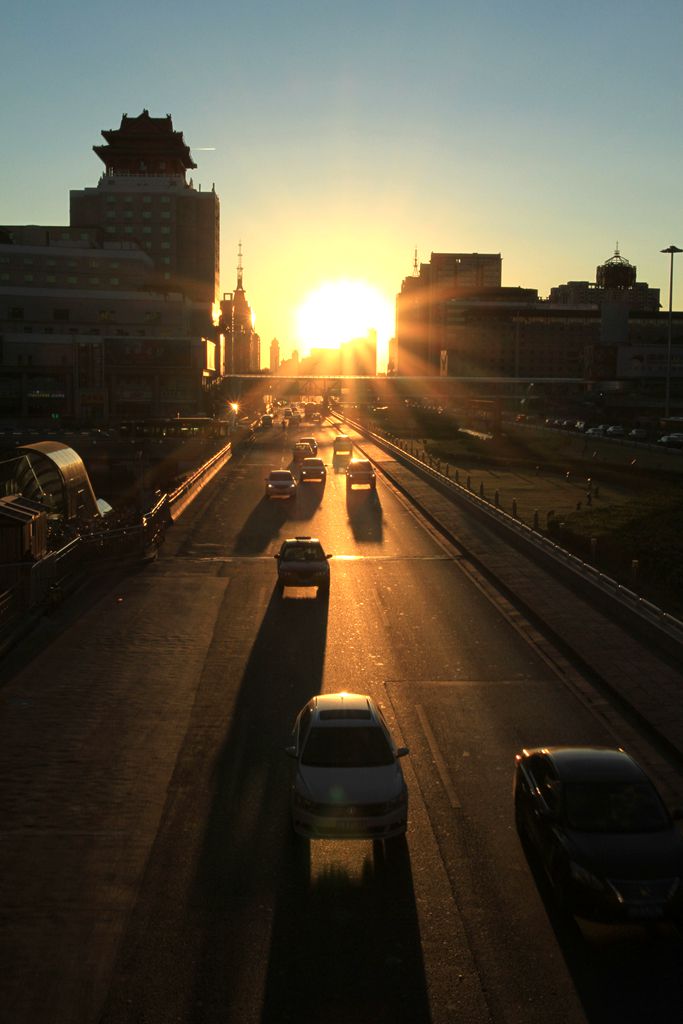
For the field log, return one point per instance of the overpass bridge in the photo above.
(386, 390)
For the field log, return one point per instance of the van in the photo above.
(342, 445)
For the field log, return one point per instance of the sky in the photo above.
(343, 137)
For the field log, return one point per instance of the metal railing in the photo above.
(533, 540)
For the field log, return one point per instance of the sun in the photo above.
(341, 311)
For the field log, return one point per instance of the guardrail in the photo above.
(532, 540)
(27, 589)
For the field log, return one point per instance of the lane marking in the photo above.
(438, 758)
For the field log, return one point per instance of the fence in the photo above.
(545, 549)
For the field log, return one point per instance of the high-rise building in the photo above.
(421, 306)
(112, 317)
(274, 355)
(144, 197)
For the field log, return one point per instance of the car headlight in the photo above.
(585, 877)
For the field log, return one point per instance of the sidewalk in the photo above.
(645, 682)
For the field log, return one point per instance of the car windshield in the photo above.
(614, 807)
(303, 553)
(279, 475)
(347, 747)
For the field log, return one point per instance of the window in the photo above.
(110, 229)
(28, 277)
(16, 313)
(147, 230)
(128, 230)
(128, 214)
(146, 200)
(166, 260)
(166, 214)
(60, 314)
(165, 230)
(146, 214)
(93, 280)
(110, 214)
(113, 280)
(50, 278)
(165, 245)
(28, 261)
(72, 279)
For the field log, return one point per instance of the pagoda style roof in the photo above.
(145, 145)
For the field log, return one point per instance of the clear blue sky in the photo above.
(348, 134)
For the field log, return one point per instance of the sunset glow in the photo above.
(339, 311)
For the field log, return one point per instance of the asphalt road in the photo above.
(148, 872)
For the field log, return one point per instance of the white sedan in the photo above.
(348, 782)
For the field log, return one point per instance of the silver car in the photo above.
(348, 782)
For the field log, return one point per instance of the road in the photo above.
(148, 871)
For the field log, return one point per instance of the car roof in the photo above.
(594, 764)
(281, 473)
(335, 708)
(311, 460)
(301, 540)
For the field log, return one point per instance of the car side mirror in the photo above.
(329, 556)
(402, 751)
(276, 556)
(290, 751)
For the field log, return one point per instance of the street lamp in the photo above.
(672, 250)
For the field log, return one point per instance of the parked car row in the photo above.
(615, 430)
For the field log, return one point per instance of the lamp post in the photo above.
(672, 250)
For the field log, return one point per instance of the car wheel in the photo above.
(280, 587)
(324, 591)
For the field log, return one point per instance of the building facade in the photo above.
(611, 330)
(422, 305)
(144, 197)
(100, 323)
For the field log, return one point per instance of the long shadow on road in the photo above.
(326, 948)
(345, 948)
(365, 515)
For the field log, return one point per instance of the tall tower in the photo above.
(143, 199)
(274, 355)
(243, 345)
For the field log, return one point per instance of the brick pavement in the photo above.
(648, 684)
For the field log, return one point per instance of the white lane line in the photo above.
(438, 759)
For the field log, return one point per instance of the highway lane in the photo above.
(152, 875)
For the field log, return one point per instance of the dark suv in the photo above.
(360, 473)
